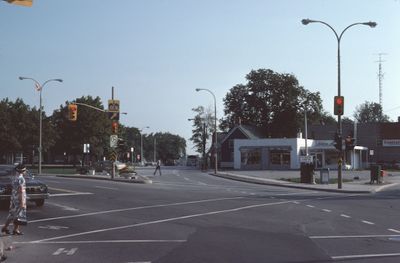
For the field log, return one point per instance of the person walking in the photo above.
(158, 167)
(17, 209)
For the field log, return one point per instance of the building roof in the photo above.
(251, 132)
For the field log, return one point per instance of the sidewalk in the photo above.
(279, 178)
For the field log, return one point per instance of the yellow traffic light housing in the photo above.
(72, 112)
(21, 2)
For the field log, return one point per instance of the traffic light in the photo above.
(72, 112)
(20, 2)
(339, 105)
(349, 143)
(338, 142)
(114, 127)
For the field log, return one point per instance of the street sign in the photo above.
(86, 148)
(113, 141)
(113, 156)
(306, 159)
(113, 105)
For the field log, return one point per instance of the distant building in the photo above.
(246, 147)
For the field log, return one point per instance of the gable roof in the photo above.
(251, 132)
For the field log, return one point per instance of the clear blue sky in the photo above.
(156, 53)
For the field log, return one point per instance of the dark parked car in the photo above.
(36, 191)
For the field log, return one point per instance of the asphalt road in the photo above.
(189, 216)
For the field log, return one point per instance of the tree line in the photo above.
(63, 139)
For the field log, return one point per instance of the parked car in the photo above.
(36, 191)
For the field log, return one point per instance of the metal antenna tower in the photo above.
(380, 76)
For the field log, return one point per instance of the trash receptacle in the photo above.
(306, 173)
(375, 171)
(324, 176)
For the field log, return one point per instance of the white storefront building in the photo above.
(284, 153)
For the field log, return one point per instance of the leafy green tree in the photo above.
(203, 126)
(275, 102)
(19, 129)
(370, 112)
(169, 147)
(91, 127)
(131, 138)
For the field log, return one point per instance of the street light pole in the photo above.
(40, 88)
(141, 143)
(215, 129)
(338, 38)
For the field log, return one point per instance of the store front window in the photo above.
(280, 159)
(251, 158)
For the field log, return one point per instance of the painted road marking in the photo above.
(70, 194)
(310, 206)
(327, 210)
(394, 230)
(135, 208)
(295, 202)
(160, 221)
(367, 222)
(352, 236)
(53, 227)
(365, 256)
(66, 192)
(63, 250)
(107, 241)
(64, 207)
(345, 216)
(107, 188)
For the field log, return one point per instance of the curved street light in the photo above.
(339, 38)
(40, 87)
(215, 129)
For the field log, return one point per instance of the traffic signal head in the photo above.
(72, 112)
(338, 105)
(114, 127)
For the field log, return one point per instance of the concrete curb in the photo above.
(272, 182)
(135, 179)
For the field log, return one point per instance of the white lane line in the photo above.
(365, 256)
(187, 179)
(105, 241)
(64, 207)
(327, 210)
(70, 194)
(310, 206)
(302, 193)
(160, 221)
(108, 188)
(135, 208)
(345, 216)
(295, 202)
(367, 222)
(394, 230)
(352, 236)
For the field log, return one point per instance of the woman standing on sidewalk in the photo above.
(18, 201)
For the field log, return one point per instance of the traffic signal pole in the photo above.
(340, 159)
